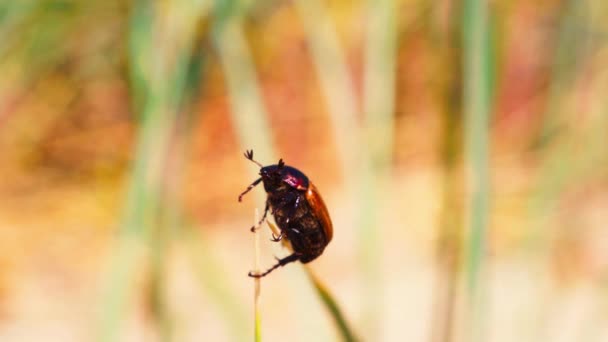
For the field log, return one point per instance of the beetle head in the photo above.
(272, 176)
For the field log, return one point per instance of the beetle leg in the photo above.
(282, 262)
(251, 186)
(257, 226)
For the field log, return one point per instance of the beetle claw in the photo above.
(277, 238)
(257, 226)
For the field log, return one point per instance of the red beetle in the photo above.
(298, 210)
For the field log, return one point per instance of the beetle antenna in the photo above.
(282, 262)
(249, 155)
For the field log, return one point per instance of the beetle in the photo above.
(298, 210)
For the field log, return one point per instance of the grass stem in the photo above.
(257, 282)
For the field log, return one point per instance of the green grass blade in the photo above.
(216, 286)
(332, 306)
(477, 101)
(450, 228)
(376, 149)
(158, 80)
(335, 81)
(379, 81)
(248, 111)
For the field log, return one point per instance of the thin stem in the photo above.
(257, 282)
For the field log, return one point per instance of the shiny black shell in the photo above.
(298, 210)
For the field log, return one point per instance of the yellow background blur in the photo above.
(461, 148)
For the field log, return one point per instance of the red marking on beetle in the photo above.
(295, 182)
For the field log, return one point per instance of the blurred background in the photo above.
(461, 148)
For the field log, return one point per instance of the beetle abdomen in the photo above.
(303, 229)
(307, 238)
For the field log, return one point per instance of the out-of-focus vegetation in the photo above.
(461, 147)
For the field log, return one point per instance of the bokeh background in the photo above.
(461, 147)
